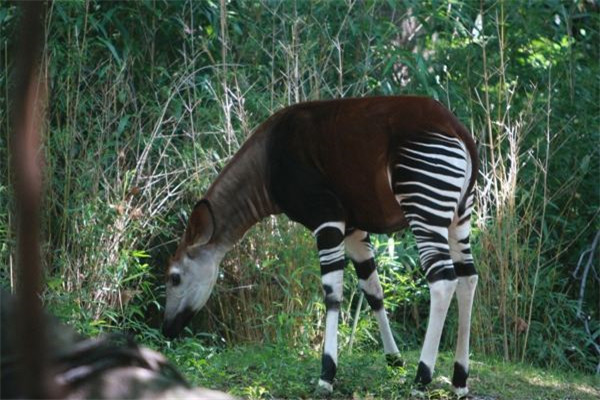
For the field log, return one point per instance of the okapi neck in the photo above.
(240, 197)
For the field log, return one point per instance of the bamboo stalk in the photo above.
(543, 216)
(355, 320)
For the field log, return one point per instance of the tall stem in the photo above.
(543, 216)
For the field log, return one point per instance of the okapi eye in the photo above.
(175, 279)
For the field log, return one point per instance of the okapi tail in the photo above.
(471, 146)
(454, 127)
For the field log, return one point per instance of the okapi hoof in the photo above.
(394, 360)
(418, 393)
(424, 375)
(459, 380)
(324, 389)
(423, 378)
(460, 392)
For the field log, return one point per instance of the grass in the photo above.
(277, 371)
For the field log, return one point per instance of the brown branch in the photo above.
(29, 94)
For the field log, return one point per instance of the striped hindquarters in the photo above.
(430, 175)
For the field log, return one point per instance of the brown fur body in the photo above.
(350, 145)
(308, 156)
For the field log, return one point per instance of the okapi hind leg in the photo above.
(330, 243)
(442, 285)
(429, 176)
(360, 251)
(460, 250)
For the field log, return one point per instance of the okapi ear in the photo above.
(201, 226)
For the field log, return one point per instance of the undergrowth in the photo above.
(278, 371)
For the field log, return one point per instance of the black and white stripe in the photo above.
(332, 255)
(330, 243)
(431, 176)
(360, 251)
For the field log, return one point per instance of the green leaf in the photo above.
(112, 49)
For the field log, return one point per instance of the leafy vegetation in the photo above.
(150, 99)
(278, 371)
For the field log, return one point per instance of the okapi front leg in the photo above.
(360, 250)
(330, 242)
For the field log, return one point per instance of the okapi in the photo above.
(344, 168)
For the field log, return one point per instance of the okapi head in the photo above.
(192, 271)
(235, 201)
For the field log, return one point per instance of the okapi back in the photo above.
(348, 145)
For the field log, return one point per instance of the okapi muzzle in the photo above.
(173, 327)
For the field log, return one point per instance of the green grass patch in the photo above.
(277, 371)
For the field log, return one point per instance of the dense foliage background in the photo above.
(149, 100)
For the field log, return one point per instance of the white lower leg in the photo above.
(334, 282)
(441, 295)
(465, 292)
(360, 251)
(389, 344)
(331, 327)
(329, 361)
(374, 292)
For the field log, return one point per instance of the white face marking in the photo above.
(198, 271)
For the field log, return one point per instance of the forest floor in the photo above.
(271, 371)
